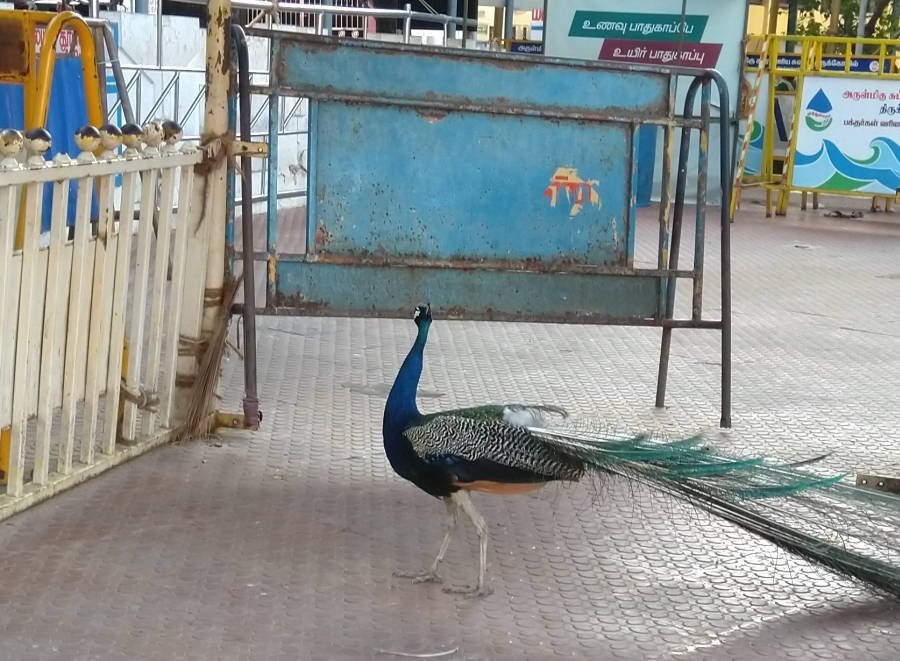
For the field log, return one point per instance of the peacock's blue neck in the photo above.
(401, 408)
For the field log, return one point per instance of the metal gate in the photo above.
(496, 186)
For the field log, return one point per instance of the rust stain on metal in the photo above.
(560, 264)
(277, 69)
(285, 306)
(432, 117)
(510, 64)
(297, 303)
(13, 54)
(433, 103)
(323, 237)
(460, 312)
(271, 268)
(317, 44)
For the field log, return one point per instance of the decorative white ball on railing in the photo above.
(11, 143)
(172, 132)
(87, 138)
(110, 139)
(37, 143)
(132, 136)
(153, 134)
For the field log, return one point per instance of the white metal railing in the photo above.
(290, 14)
(166, 91)
(177, 92)
(354, 25)
(71, 307)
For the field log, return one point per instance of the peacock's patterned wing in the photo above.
(448, 439)
(522, 415)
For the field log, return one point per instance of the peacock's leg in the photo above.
(465, 504)
(449, 525)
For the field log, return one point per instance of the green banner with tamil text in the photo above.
(645, 27)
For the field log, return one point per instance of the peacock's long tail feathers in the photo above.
(852, 531)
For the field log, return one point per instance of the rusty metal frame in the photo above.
(671, 209)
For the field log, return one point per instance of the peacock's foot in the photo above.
(429, 576)
(469, 590)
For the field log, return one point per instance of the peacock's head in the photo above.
(422, 315)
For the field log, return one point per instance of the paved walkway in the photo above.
(280, 545)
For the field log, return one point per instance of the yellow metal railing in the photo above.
(35, 73)
(749, 101)
(790, 59)
(38, 102)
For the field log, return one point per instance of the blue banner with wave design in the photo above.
(847, 136)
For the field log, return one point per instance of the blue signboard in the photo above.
(834, 63)
(527, 47)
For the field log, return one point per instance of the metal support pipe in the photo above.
(450, 28)
(272, 201)
(508, 20)
(407, 23)
(674, 250)
(327, 18)
(544, 28)
(216, 126)
(700, 208)
(665, 208)
(159, 32)
(465, 34)
(231, 180)
(725, 246)
(205, 276)
(112, 56)
(251, 400)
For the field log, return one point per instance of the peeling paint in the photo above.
(432, 117)
(271, 268)
(575, 188)
(323, 237)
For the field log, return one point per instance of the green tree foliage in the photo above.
(882, 19)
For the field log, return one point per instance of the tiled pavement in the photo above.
(280, 544)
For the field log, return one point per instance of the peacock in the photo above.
(514, 448)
